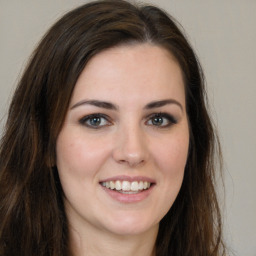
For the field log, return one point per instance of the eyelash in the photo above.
(171, 120)
(87, 120)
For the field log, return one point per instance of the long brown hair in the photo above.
(32, 216)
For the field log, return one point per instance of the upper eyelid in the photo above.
(86, 117)
(110, 119)
(163, 114)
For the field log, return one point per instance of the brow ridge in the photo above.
(97, 103)
(111, 106)
(161, 103)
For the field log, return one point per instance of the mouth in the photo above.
(127, 187)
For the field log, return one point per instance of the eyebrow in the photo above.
(161, 103)
(96, 103)
(111, 106)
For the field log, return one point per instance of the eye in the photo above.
(95, 121)
(162, 120)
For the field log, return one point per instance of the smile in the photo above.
(127, 187)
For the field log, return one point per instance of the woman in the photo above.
(108, 147)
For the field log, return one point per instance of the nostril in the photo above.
(130, 150)
(132, 161)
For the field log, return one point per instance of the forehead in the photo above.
(129, 71)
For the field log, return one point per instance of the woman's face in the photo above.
(123, 147)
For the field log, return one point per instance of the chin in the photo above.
(128, 226)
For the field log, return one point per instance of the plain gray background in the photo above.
(223, 33)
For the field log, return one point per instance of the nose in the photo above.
(131, 147)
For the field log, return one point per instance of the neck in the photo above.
(104, 243)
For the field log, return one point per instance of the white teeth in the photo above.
(134, 186)
(112, 184)
(118, 185)
(126, 186)
(141, 186)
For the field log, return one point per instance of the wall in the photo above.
(224, 36)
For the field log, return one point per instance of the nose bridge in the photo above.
(131, 146)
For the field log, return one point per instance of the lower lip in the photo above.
(128, 198)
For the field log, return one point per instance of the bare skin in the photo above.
(122, 150)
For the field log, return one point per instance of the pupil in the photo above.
(95, 121)
(157, 120)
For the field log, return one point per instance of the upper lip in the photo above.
(129, 178)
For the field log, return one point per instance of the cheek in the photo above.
(171, 161)
(172, 155)
(78, 155)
